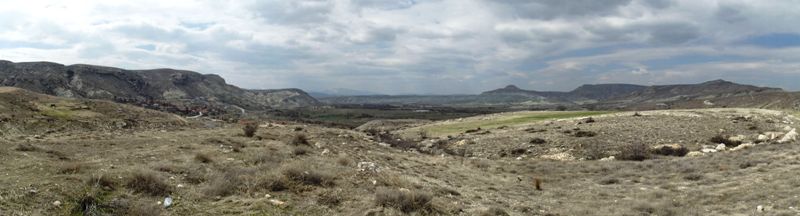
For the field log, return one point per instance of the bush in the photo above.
(26, 147)
(203, 158)
(634, 152)
(584, 134)
(405, 201)
(225, 184)
(670, 150)
(149, 183)
(724, 140)
(304, 175)
(70, 168)
(299, 151)
(250, 129)
(330, 198)
(300, 139)
(102, 181)
(538, 141)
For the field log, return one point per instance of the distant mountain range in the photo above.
(171, 90)
(597, 96)
(188, 92)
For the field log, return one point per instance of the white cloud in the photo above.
(411, 46)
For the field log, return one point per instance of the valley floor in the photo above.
(293, 169)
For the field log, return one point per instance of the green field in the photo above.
(510, 120)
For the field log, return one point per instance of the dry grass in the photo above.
(300, 140)
(724, 140)
(300, 150)
(71, 168)
(203, 158)
(26, 147)
(250, 129)
(330, 198)
(102, 181)
(405, 201)
(272, 182)
(148, 182)
(142, 208)
(226, 183)
(305, 175)
(493, 211)
(343, 160)
(634, 152)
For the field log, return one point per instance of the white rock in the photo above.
(743, 146)
(787, 128)
(789, 137)
(563, 156)
(325, 152)
(737, 138)
(368, 167)
(385, 145)
(708, 150)
(167, 202)
(180, 185)
(760, 208)
(609, 158)
(267, 196)
(57, 203)
(721, 147)
(762, 138)
(697, 153)
(276, 202)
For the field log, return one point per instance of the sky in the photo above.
(419, 46)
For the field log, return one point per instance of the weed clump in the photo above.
(724, 140)
(584, 134)
(538, 141)
(203, 158)
(102, 181)
(405, 201)
(149, 183)
(304, 175)
(300, 140)
(250, 129)
(225, 184)
(300, 151)
(634, 152)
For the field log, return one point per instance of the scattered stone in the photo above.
(609, 158)
(760, 208)
(737, 138)
(368, 167)
(385, 145)
(461, 142)
(697, 153)
(57, 203)
(708, 150)
(774, 135)
(789, 137)
(277, 202)
(563, 156)
(721, 147)
(167, 202)
(180, 186)
(762, 138)
(267, 196)
(325, 152)
(742, 146)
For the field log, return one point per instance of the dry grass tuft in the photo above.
(225, 184)
(102, 181)
(330, 198)
(148, 182)
(71, 168)
(250, 129)
(634, 152)
(405, 201)
(203, 158)
(305, 175)
(26, 147)
(300, 150)
(144, 209)
(300, 140)
(343, 160)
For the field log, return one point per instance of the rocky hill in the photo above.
(166, 89)
(26, 112)
(716, 93)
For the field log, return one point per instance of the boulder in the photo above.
(743, 146)
(696, 154)
(789, 137)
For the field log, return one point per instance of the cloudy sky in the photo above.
(419, 46)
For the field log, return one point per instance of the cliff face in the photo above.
(167, 87)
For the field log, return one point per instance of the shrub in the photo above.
(330, 198)
(144, 209)
(608, 181)
(149, 183)
(344, 160)
(273, 183)
(538, 141)
(267, 158)
(493, 211)
(70, 168)
(224, 184)
(405, 201)
(300, 139)
(670, 150)
(203, 158)
(250, 129)
(594, 150)
(102, 181)
(724, 140)
(634, 152)
(299, 151)
(584, 134)
(26, 147)
(304, 175)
